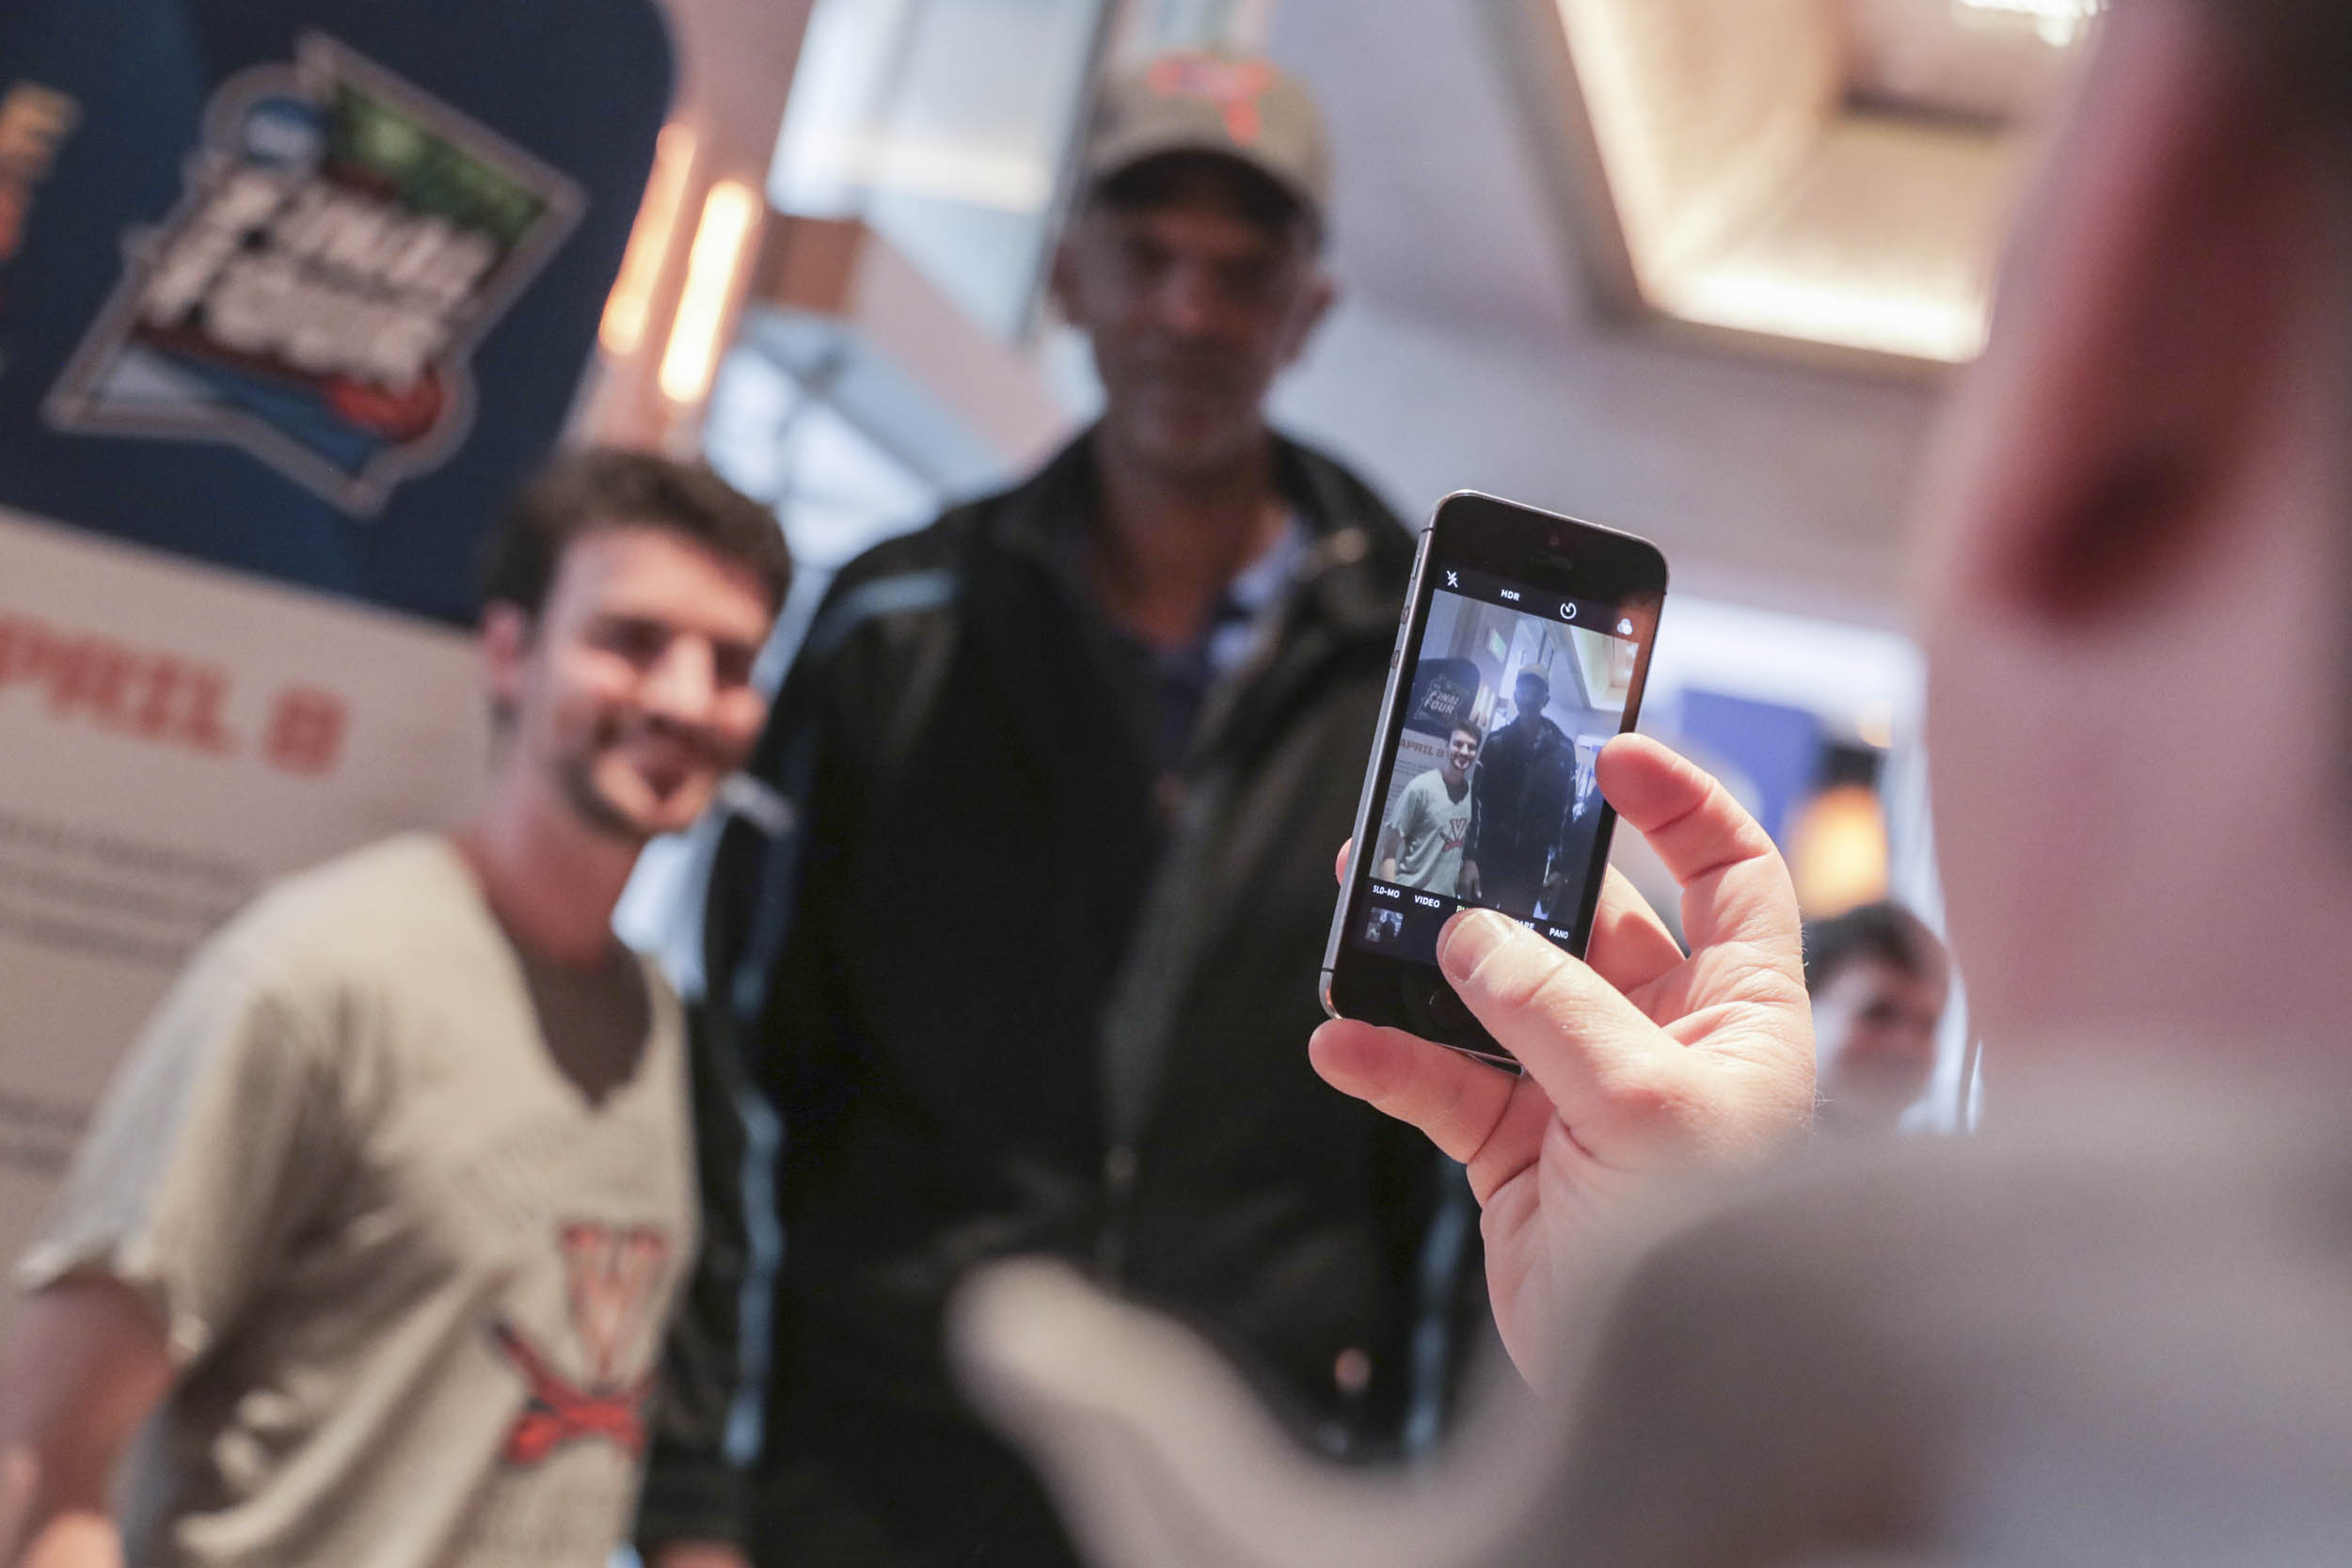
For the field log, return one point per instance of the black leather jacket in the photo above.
(1525, 788)
(1008, 992)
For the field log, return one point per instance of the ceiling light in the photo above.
(630, 306)
(730, 217)
(1782, 303)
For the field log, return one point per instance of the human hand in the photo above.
(1640, 1064)
(1466, 882)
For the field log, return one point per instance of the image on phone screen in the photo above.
(1489, 800)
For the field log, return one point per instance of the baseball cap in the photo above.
(1229, 105)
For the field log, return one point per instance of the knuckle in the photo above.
(1448, 1118)
(1523, 976)
(1643, 1098)
(1489, 1164)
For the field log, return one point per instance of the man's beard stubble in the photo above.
(574, 778)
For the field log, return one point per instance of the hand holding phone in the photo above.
(1523, 647)
(1639, 1064)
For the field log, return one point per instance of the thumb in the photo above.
(1618, 1080)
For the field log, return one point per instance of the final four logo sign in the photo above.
(344, 243)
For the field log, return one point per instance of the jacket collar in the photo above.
(1355, 571)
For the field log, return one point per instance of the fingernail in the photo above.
(1470, 937)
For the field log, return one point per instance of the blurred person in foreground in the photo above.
(1124, 704)
(2114, 1332)
(381, 1218)
(1879, 979)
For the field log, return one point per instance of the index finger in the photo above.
(1489, 1120)
(1735, 886)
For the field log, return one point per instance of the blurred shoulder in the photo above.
(386, 907)
(2111, 1314)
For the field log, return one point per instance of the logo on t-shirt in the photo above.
(613, 1277)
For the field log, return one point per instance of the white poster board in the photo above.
(171, 737)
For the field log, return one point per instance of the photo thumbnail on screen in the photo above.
(1492, 799)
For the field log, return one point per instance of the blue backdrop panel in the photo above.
(302, 287)
(1778, 747)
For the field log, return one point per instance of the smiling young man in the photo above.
(1421, 843)
(1031, 973)
(381, 1220)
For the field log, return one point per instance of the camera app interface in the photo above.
(1489, 800)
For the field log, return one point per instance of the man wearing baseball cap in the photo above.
(1024, 948)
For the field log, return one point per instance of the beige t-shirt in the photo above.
(414, 1275)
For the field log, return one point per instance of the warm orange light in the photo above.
(1837, 849)
(630, 304)
(729, 213)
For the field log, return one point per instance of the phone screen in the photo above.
(1488, 798)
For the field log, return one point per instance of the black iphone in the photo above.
(1525, 643)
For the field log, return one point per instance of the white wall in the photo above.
(1765, 484)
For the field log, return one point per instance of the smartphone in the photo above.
(1525, 643)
